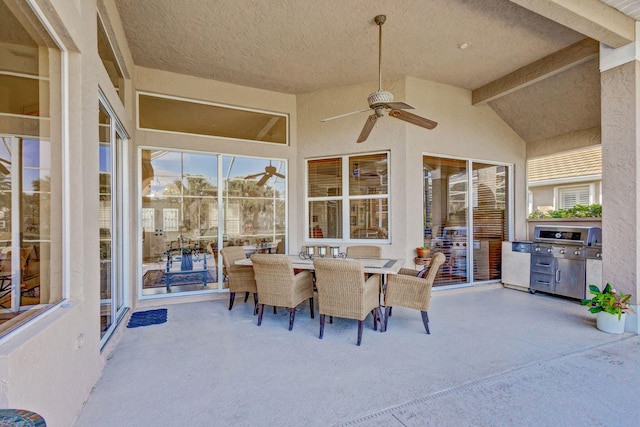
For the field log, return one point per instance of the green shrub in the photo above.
(577, 211)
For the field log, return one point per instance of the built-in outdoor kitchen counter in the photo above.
(561, 259)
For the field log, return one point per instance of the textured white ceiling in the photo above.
(300, 46)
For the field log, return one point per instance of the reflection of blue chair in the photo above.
(186, 266)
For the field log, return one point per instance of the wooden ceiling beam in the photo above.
(592, 18)
(541, 69)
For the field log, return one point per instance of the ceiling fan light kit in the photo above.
(381, 101)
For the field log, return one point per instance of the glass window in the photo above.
(193, 117)
(571, 196)
(30, 167)
(183, 207)
(108, 57)
(490, 219)
(254, 201)
(362, 189)
(447, 197)
(179, 220)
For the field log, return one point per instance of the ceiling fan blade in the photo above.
(413, 119)
(279, 175)
(345, 115)
(263, 180)
(398, 105)
(368, 126)
(254, 175)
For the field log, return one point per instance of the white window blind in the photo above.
(570, 197)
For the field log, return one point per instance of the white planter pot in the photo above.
(609, 322)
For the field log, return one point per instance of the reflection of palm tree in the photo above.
(253, 200)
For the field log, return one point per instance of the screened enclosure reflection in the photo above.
(193, 204)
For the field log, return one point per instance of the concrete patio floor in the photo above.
(495, 357)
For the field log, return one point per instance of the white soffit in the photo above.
(628, 7)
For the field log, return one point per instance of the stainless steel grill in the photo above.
(558, 258)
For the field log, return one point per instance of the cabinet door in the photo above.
(570, 278)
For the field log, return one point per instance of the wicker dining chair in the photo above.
(405, 289)
(278, 286)
(344, 292)
(241, 277)
(364, 251)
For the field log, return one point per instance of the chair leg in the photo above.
(383, 325)
(360, 328)
(321, 326)
(246, 296)
(390, 309)
(425, 321)
(255, 303)
(232, 296)
(330, 319)
(275, 310)
(260, 311)
(387, 314)
(311, 307)
(375, 319)
(292, 316)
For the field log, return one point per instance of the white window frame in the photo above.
(560, 192)
(346, 198)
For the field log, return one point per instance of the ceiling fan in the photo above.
(269, 171)
(381, 101)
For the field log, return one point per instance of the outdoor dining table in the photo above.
(382, 266)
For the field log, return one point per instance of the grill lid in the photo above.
(568, 235)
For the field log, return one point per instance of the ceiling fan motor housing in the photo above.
(379, 97)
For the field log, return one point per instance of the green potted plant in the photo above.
(610, 308)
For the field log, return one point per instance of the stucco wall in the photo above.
(620, 154)
(50, 365)
(463, 131)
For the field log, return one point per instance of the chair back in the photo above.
(231, 254)
(280, 249)
(434, 266)
(272, 266)
(275, 280)
(364, 251)
(423, 296)
(340, 284)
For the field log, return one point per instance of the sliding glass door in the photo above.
(465, 217)
(111, 223)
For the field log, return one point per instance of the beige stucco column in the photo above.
(620, 85)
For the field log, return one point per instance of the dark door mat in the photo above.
(149, 317)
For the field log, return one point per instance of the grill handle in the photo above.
(557, 275)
